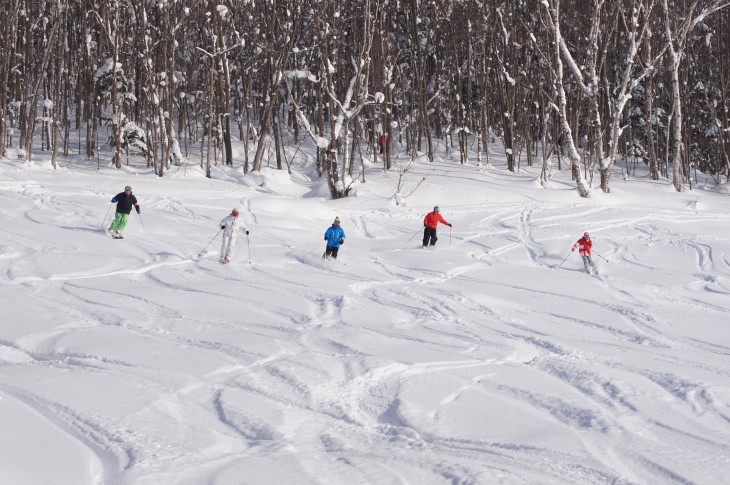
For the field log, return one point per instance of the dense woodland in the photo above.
(584, 85)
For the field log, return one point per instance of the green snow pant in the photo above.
(119, 222)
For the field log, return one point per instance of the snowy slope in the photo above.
(137, 362)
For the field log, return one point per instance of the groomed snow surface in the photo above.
(136, 361)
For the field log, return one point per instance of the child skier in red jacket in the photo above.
(584, 245)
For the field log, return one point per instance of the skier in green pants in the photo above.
(125, 200)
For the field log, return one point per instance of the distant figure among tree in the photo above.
(382, 142)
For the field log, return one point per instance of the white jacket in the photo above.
(231, 225)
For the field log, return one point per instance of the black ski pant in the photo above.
(331, 252)
(429, 236)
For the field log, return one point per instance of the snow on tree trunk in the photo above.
(573, 156)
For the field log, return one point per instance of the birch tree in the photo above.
(552, 8)
(677, 33)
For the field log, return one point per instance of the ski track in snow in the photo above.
(363, 370)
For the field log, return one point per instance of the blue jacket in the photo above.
(334, 236)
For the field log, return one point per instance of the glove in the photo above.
(223, 227)
(449, 225)
(325, 238)
(424, 224)
(247, 233)
(138, 210)
(114, 199)
(572, 250)
(342, 241)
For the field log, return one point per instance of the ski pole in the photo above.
(600, 256)
(140, 220)
(248, 242)
(414, 235)
(105, 215)
(449, 235)
(211, 241)
(561, 263)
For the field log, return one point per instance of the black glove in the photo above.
(424, 224)
(342, 241)
(247, 233)
(449, 225)
(223, 227)
(137, 209)
(325, 238)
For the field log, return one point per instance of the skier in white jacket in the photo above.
(230, 225)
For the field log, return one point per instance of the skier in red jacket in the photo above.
(584, 245)
(430, 222)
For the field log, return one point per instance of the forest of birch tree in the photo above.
(592, 86)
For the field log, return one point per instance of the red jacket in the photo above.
(584, 247)
(432, 220)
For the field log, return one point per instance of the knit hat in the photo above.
(337, 220)
(234, 212)
(127, 188)
(585, 234)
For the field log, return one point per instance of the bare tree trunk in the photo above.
(265, 126)
(9, 31)
(573, 156)
(224, 90)
(210, 118)
(55, 117)
(278, 145)
(30, 114)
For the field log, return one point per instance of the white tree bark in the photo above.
(553, 11)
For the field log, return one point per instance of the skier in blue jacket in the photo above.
(335, 238)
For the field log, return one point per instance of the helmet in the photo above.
(234, 212)
(585, 234)
(436, 208)
(127, 188)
